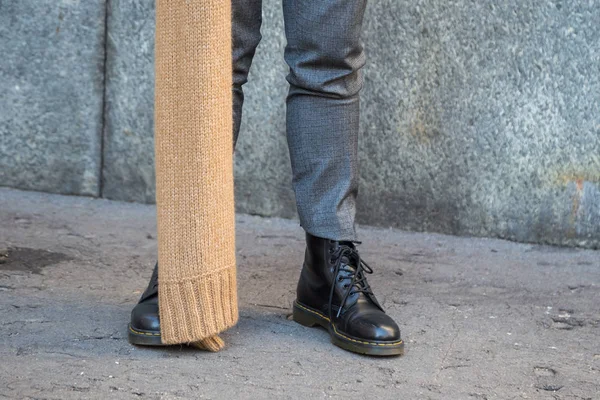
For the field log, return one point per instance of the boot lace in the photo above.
(357, 268)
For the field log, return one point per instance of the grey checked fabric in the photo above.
(325, 56)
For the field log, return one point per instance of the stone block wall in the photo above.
(477, 118)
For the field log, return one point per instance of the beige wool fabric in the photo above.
(194, 171)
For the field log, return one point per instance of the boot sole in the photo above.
(143, 338)
(310, 317)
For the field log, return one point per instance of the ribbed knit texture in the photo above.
(194, 170)
(213, 343)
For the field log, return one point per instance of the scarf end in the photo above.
(198, 309)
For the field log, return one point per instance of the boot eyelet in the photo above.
(346, 286)
(331, 261)
(340, 278)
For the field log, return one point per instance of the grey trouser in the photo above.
(325, 57)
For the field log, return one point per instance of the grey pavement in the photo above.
(482, 318)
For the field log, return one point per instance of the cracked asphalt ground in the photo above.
(482, 319)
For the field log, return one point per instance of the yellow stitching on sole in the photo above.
(344, 336)
(143, 333)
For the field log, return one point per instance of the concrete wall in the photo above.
(478, 118)
(128, 168)
(51, 95)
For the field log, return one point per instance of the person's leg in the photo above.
(246, 22)
(325, 56)
(144, 328)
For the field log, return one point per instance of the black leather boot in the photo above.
(144, 328)
(333, 292)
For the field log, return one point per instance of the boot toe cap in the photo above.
(145, 317)
(375, 326)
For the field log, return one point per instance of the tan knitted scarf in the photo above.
(194, 170)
